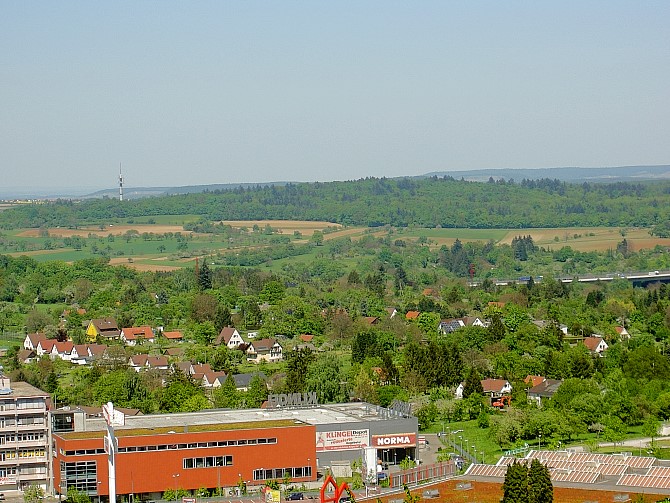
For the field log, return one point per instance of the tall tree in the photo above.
(297, 365)
(540, 488)
(515, 487)
(204, 276)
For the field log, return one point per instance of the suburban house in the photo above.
(45, 347)
(495, 388)
(595, 344)
(450, 326)
(230, 337)
(26, 355)
(137, 335)
(268, 350)
(392, 311)
(213, 379)
(622, 332)
(62, 350)
(370, 320)
(146, 362)
(242, 381)
(31, 340)
(412, 315)
(102, 327)
(534, 380)
(543, 391)
(174, 336)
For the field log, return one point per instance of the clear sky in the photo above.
(197, 92)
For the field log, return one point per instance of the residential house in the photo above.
(79, 354)
(137, 335)
(146, 362)
(622, 332)
(62, 350)
(595, 344)
(44, 347)
(534, 380)
(96, 351)
(306, 338)
(450, 326)
(392, 311)
(31, 340)
(543, 391)
(26, 355)
(213, 379)
(230, 337)
(242, 381)
(268, 350)
(174, 352)
(105, 328)
(412, 315)
(173, 336)
(370, 320)
(495, 388)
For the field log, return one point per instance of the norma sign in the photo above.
(342, 440)
(394, 441)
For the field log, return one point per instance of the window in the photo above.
(207, 462)
(278, 473)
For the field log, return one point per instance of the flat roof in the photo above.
(171, 430)
(23, 389)
(340, 413)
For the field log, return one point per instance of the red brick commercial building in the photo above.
(153, 459)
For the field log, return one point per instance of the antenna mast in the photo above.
(120, 184)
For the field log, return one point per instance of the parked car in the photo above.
(295, 496)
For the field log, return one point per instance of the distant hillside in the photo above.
(423, 202)
(572, 175)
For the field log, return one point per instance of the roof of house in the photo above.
(592, 342)
(97, 349)
(412, 315)
(494, 385)
(243, 380)
(225, 335)
(47, 344)
(106, 325)
(174, 351)
(174, 335)
(263, 344)
(391, 311)
(212, 376)
(546, 388)
(534, 380)
(148, 361)
(25, 354)
(132, 333)
(201, 368)
(64, 347)
(36, 338)
(370, 320)
(306, 337)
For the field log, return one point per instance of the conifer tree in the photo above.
(540, 488)
(515, 487)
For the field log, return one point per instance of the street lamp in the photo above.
(98, 490)
(175, 484)
(475, 453)
(539, 437)
(466, 446)
(461, 437)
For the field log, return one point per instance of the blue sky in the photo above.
(185, 93)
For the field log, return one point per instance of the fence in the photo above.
(421, 474)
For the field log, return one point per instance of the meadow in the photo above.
(161, 242)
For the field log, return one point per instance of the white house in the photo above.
(268, 350)
(230, 337)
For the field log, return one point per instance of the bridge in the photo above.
(637, 278)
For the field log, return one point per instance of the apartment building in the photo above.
(24, 436)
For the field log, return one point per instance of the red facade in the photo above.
(151, 462)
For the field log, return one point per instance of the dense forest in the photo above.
(430, 202)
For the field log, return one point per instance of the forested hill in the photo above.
(427, 202)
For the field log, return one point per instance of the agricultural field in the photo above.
(161, 243)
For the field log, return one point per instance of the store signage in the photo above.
(403, 408)
(392, 441)
(342, 440)
(292, 400)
